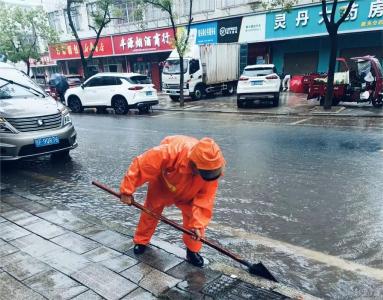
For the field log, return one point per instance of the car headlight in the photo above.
(5, 127)
(66, 119)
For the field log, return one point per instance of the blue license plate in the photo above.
(46, 141)
(149, 93)
(256, 82)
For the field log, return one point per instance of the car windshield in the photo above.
(254, 72)
(173, 66)
(139, 79)
(15, 89)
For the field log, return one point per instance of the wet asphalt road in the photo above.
(295, 181)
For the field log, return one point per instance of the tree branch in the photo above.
(98, 33)
(71, 25)
(333, 11)
(324, 15)
(346, 13)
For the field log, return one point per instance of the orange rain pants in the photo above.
(171, 181)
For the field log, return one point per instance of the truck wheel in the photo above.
(240, 103)
(198, 93)
(276, 100)
(175, 98)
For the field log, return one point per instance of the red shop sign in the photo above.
(71, 50)
(142, 42)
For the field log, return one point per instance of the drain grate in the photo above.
(226, 287)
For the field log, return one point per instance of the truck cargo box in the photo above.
(220, 63)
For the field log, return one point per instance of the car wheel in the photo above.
(240, 103)
(175, 98)
(230, 90)
(198, 93)
(75, 104)
(144, 109)
(276, 100)
(378, 102)
(120, 105)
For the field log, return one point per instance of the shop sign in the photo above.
(206, 33)
(70, 50)
(142, 42)
(228, 30)
(308, 20)
(253, 29)
(44, 60)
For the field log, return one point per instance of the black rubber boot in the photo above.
(139, 249)
(194, 258)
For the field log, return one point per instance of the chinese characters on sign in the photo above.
(71, 49)
(302, 16)
(143, 42)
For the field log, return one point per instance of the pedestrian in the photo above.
(182, 171)
(286, 82)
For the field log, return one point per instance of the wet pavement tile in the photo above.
(24, 204)
(168, 247)
(5, 207)
(2, 220)
(65, 261)
(101, 253)
(55, 285)
(75, 242)
(157, 258)
(139, 294)
(137, 272)
(11, 289)
(21, 265)
(177, 294)
(88, 295)
(119, 263)
(10, 231)
(35, 245)
(27, 221)
(158, 282)
(45, 229)
(64, 218)
(21, 217)
(6, 249)
(104, 282)
(110, 239)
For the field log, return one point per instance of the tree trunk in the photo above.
(182, 102)
(333, 35)
(28, 66)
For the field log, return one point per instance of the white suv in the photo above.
(256, 82)
(121, 91)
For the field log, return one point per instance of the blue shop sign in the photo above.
(308, 20)
(206, 33)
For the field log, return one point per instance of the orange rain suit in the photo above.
(171, 181)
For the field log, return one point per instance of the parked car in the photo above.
(74, 80)
(31, 122)
(41, 80)
(258, 82)
(121, 91)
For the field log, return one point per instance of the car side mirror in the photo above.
(82, 86)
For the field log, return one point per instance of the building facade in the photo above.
(295, 41)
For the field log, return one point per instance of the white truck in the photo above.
(208, 69)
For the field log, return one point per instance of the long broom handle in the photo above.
(175, 225)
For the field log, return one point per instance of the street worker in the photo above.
(182, 171)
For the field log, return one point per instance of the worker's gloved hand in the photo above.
(127, 199)
(197, 234)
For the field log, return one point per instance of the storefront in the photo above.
(140, 52)
(299, 39)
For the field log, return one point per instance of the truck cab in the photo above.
(192, 76)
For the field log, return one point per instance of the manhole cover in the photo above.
(226, 287)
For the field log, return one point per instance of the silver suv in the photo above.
(31, 122)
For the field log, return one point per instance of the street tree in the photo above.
(181, 34)
(24, 33)
(332, 26)
(102, 12)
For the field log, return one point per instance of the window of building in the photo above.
(76, 18)
(91, 9)
(233, 3)
(199, 6)
(54, 19)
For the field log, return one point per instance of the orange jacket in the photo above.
(168, 163)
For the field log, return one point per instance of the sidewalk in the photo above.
(290, 104)
(54, 253)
